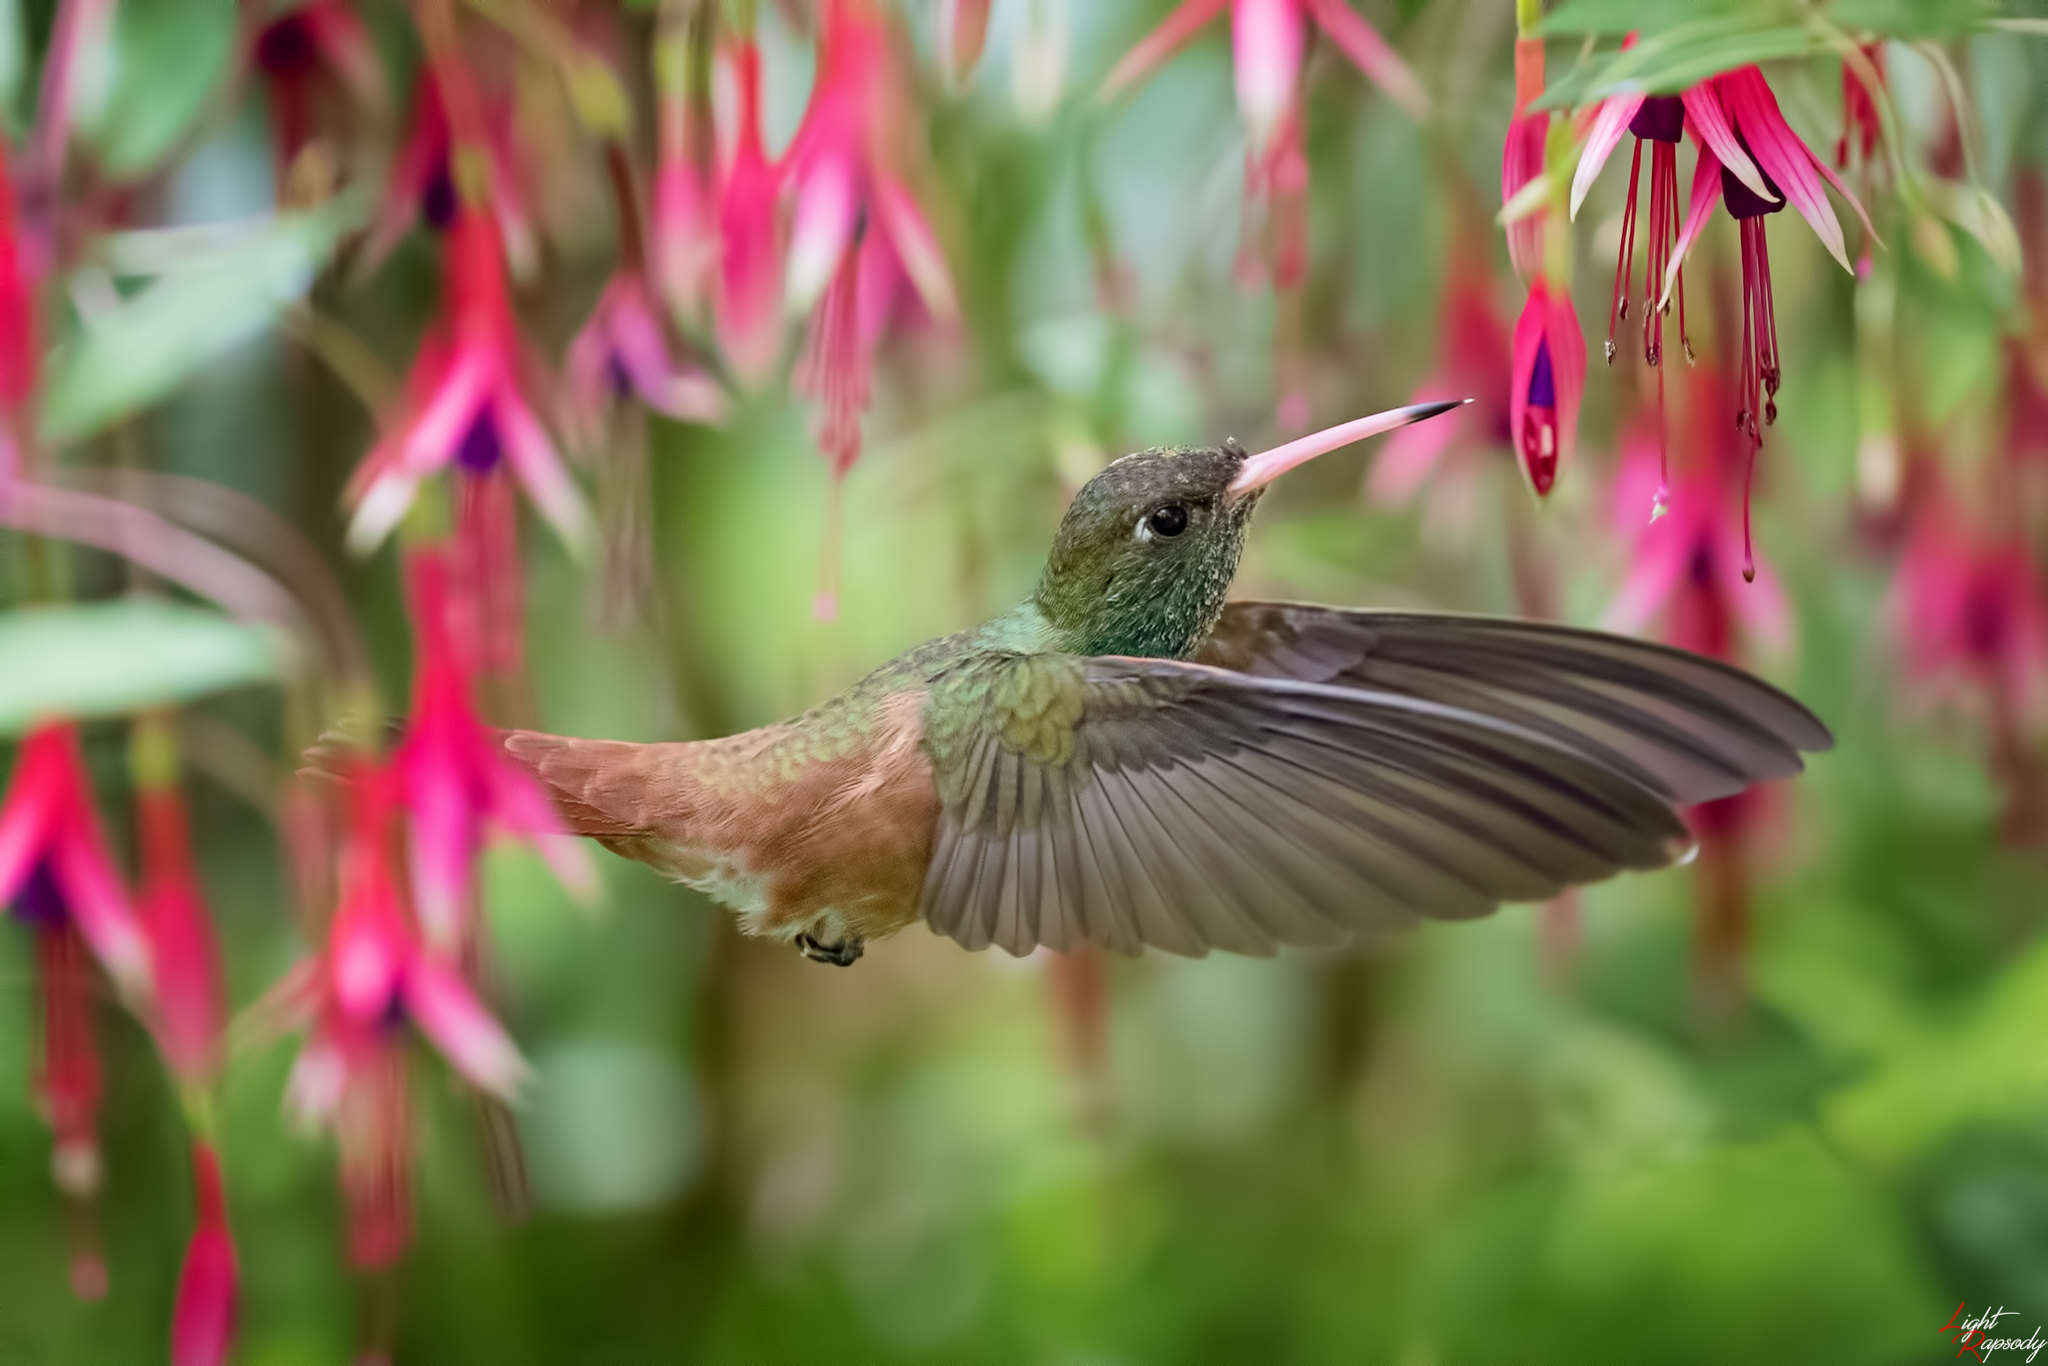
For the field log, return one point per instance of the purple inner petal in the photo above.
(1744, 202)
(1542, 384)
(480, 450)
(286, 49)
(41, 900)
(437, 198)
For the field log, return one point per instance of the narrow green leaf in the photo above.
(113, 658)
(167, 57)
(138, 353)
(1681, 58)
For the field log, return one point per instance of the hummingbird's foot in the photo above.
(842, 954)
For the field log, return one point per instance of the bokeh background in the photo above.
(1592, 1132)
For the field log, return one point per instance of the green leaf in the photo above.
(1680, 58)
(138, 353)
(1911, 18)
(113, 658)
(1645, 18)
(165, 60)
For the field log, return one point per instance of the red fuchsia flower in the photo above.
(191, 1005)
(1522, 157)
(1267, 41)
(373, 978)
(1474, 360)
(20, 351)
(422, 182)
(307, 56)
(1545, 383)
(455, 783)
(1735, 116)
(58, 879)
(1968, 609)
(623, 351)
(467, 404)
(203, 1321)
(683, 220)
(749, 224)
(1861, 126)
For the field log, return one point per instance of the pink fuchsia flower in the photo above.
(623, 351)
(683, 221)
(1545, 382)
(1267, 41)
(1444, 458)
(373, 978)
(1685, 564)
(1861, 126)
(203, 1320)
(458, 786)
(422, 181)
(1735, 115)
(20, 350)
(307, 56)
(1522, 157)
(55, 870)
(191, 1004)
(466, 404)
(749, 224)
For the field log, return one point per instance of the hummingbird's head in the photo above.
(1145, 555)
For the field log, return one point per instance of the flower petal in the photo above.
(1601, 140)
(1706, 193)
(437, 432)
(1162, 42)
(1266, 40)
(381, 508)
(1361, 42)
(1713, 131)
(203, 1321)
(1568, 368)
(821, 229)
(541, 473)
(1784, 158)
(99, 906)
(32, 800)
(452, 1017)
(917, 247)
(1521, 161)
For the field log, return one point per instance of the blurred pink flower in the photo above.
(1969, 606)
(374, 977)
(191, 1005)
(54, 866)
(1684, 569)
(455, 783)
(1547, 378)
(1442, 459)
(1861, 126)
(622, 351)
(305, 53)
(963, 29)
(467, 404)
(1267, 41)
(20, 346)
(203, 1321)
(1521, 159)
(422, 181)
(749, 225)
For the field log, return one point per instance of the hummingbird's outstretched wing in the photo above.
(1693, 728)
(1132, 802)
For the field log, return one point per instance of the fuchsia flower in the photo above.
(466, 404)
(1861, 126)
(20, 350)
(191, 1003)
(623, 350)
(306, 54)
(456, 784)
(1735, 118)
(749, 227)
(1545, 383)
(1684, 569)
(1521, 159)
(422, 181)
(1474, 361)
(58, 879)
(203, 1321)
(373, 978)
(1267, 40)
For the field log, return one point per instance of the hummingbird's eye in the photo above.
(1170, 520)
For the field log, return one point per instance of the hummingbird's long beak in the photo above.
(1263, 468)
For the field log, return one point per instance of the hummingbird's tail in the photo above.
(606, 789)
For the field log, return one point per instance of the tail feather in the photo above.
(607, 789)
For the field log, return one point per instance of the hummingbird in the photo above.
(1128, 759)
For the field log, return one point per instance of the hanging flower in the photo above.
(422, 181)
(1546, 380)
(203, 1321)
(457, 785)
(1443, 459)
(1521, 160)
(749, 225)
(623, 351)
(191, 1005)
(467, 404)
(1750, 126)
(20, 347)
(1861, 126)
(373, 978)
(307, 55)
(683, 222)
